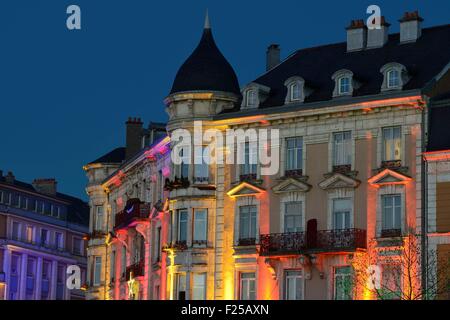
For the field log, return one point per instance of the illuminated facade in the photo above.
(41, 234)
(353, 131)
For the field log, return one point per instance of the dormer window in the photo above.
(253, 94)
(344, 83)
(296, 90)
(395, 76)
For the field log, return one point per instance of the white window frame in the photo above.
(199, 286)
(80, 247)
(99, 213)
(60, 245)
(336, 275)
(393, 147)
(296, 149)
(299, 214)
(19, 229)
(205, 224)
(394, 209)
(335, 211)
(186, 222)
(33, 233)
(248, 281)
(347, 85)
(97, 274)
(250, 226)
(346, 148)
(389, 190)
(297, 278)
(201, 171)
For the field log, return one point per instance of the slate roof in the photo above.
(77, 211)
(115, 156)
(423, 59)
(206, 69)
(439, 129)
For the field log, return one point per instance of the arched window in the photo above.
(344, 83)
(395, 76)
(295, 91)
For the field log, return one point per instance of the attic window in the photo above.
(295, 89)
(395, 76)
(250, 98)
(254, 94)
(344, 83)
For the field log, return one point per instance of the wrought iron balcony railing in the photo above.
(391, 233)
(134, 210)
(138, 270)
(312, 242)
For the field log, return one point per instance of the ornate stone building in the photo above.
(357, 175)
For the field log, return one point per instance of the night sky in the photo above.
(65, 95)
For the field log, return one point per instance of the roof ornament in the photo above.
(207, 23)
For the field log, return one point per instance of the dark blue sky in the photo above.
(65, 95)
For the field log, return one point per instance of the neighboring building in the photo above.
(354, 121)
(41, 234)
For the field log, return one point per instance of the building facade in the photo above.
(41, 234)
(355, 187)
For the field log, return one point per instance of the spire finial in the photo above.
(207, 24)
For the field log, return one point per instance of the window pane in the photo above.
(200, 226)
(199, 287)
(182, 225)
(293, 217)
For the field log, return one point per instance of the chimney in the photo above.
(46, 186)
(356, 35)
(273, 56)
(10, 178)
(133, 138)
(410, 27)
(376, 38)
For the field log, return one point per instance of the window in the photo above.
(250, 159)
(391, 282)
(45, 282)
(99, 217)
(14, 277)
(97, 270)
(200, 225)
(293, 285)
(59, 240)
(199, 286)
(32, 205)
(247, 286)
(393, 78)
(60, 282)
(201, 167)
(7, 198)
(180, 286)
(251, 98)
(391, 143)
(342, 148)
(294, 153)
(123, 261)
(112, 274)
(184, 166)
(1, 197)
(23, 202)
(295, 91)
(247, 223)
(158, 244)
(77, 246)
(47, 208)
(343, 283)
(182, 225)
(293, 217)
(341, 213)
(44, 237)
(344, 85)
(30, 281)
(391, 207)
(55, 211)
(30, 234)
(16, 230)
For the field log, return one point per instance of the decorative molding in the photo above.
(291, 185)
(339, 180)
(271, 266)
(388, 177)
(245, 189)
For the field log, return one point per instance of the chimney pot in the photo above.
(10, 178)
(272, 56)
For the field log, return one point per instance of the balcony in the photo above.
(175, 246)
(391, 233)
(321, 241)
(138, 270)
(246, 242)
(134, 211)
(176, 183)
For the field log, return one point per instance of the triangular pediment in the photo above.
(291, 185)
(339, 180)
(245, 189)
(387, 177)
